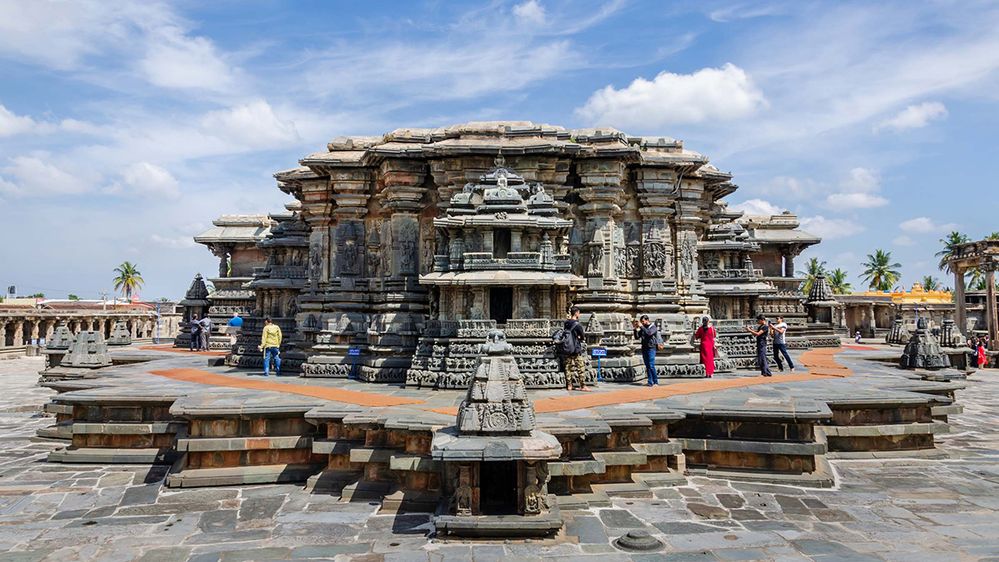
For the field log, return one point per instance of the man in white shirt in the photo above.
(780, 346)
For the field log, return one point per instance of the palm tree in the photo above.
(814, 269)
(129, 279)
(838, 283)
(950, 243)
(881, 273)
(993, 236)
(930, 283)
(977, 280)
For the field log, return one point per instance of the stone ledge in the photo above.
(621, 458)
(759, 447)
(822, 477)
(884, 430)
(501, 525)
(659, 449)
(947, 410)
(371, 455)
(659, 479)
(623, 490)
(54, 408)
(903, 454)
(120, 428)
(583, 501)
(206, 444)
(413, 463)
(242, 475)
(577, 468)
(90, 455)
(325, 447)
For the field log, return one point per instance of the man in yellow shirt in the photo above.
(270, 344)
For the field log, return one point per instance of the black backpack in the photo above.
(565, 343)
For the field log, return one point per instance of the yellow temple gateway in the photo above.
(873, 312)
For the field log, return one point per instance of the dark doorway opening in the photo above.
(501, 304)
(498, 488)
(501, 243)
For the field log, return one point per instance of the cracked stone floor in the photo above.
(881, 510)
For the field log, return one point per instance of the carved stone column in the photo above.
(18, 333)
(3, 333)
(991, 316)
(961, 306)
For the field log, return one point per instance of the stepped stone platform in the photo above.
(222, 426)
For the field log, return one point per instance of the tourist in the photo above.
(856, 337)
(195, 333)
(706, 334)
(983, 357)
(234, 327)
(572, 350)
(651, 341)
(761, 332)
(206, 331)
(270, 344)
(780, 346)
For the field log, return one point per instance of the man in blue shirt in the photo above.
(235, 327)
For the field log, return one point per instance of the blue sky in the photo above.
(126, 127)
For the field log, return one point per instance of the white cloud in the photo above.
(31, 176)
(174, 59)
(757, 207)
(12, 124)
(718, 94)
(787, 187)
(744, 11)
(831, 228)
(903, 240)
(173, 242)
(855, 201)
(914, 117)
(531, 12)
(145, 180)
(253, 124)
(925, 225)
(858, 191)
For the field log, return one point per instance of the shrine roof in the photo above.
(236, 229)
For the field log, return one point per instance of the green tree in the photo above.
(950, 243)
(838, 282)
(930, 283)
(993, 236)
(128, 279)
(72, 297)
(880, 272)
(813, 269)
(37, 296)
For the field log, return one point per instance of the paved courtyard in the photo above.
(894, 510)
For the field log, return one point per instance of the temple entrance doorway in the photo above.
(501, 243)
(500, 304)
(498, 488)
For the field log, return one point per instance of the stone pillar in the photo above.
(516, 242)
(3, 334)
(788, 265)
(18, 333)
(991, 316)
(960, 306)
(34, 328)
(132, 328)
(49, 329)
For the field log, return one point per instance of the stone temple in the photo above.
(416, 244)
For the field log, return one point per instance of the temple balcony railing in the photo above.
(725, 274)
(478, 261)
(789, 286)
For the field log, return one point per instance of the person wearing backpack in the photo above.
(570, 346)
(651, 341)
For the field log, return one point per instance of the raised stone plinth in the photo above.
(923, 351)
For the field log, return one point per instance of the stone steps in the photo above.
(242, 475)
(93, 455)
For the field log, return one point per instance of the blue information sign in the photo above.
(599, 352)
(353, 351)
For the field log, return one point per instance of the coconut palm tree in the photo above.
(950, 243)
(128, 280)
(880, 272)
(813, 269)
(838, 283)
(993, 236)
(930, 283)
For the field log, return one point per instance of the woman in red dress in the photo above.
(982, 356)
(707, 334)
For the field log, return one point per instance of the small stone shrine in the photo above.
(923, 351)
(898, 334)
(120, 334)
(58, 346)
(195, 303)
(495, 460)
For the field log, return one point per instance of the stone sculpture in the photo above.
(120, 334)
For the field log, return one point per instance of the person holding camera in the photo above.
(651, 341)
(761, 332)
(779, 330)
